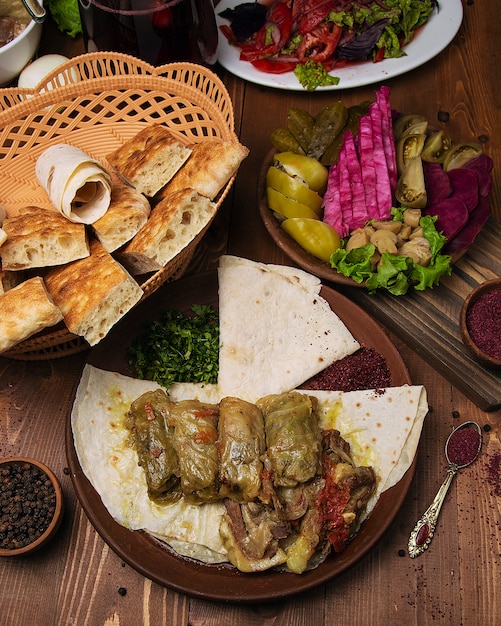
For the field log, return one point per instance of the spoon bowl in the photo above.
(462, 447)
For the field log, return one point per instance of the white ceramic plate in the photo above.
(433, 37)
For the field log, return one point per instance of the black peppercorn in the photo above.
(27, 504)
(122, 591)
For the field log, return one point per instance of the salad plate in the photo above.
(223, 582)
(428, 42)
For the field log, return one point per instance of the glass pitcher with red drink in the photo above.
(157, 31)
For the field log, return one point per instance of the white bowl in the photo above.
(18, 52)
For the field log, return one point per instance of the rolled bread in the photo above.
(77, 185)
(173, 224)
(40, 237)
(149, 159)
(24, 311)
(93, 293)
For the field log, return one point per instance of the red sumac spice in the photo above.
(483, 321)
(462, 447)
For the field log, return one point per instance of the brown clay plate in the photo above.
(293, 250)
(216, 582)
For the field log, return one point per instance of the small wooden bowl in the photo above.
(55, 522)
(482, 357)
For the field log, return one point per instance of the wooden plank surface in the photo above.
(429, 321)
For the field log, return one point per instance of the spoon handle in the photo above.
(420, 538)
(35, 9)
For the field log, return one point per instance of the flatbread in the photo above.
(77, 185)
(382, 427)
(93, 293)
(173, 224)
(211, 165)
(24, 311)
(127, 214)
(281, 311)
(110, 464)
(39, 237)
(149, 159)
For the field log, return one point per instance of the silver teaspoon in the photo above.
(35, 9)
(461, 449)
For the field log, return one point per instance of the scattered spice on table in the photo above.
(462, 447)
(27, 504)
(493, 467)
(365, 369)
(483, 320)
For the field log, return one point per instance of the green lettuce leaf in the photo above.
(66, 15)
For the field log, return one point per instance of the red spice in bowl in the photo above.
(480, 323)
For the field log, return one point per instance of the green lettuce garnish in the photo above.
(312, 75)
(66, 15)
(396, 274)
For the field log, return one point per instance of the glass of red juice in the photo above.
(156, 31)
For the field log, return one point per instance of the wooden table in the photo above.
(78, 580)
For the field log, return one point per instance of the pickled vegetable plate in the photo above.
(223, 582)
(434, 37)
(293, 250)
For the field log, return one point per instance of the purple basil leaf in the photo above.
(245, 19)
(361, 46)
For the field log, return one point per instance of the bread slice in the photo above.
(25, 310)
(211, 165)
(149, 159)
(173, 224)
(93, 293)
(128, 212)
(41, 238)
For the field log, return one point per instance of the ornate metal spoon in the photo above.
(461, 449)
(35, 9)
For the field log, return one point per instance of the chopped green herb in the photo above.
(312, 75)
(179, 348)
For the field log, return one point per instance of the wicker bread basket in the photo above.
(97, 102)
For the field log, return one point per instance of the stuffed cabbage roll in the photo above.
(241, 445)
(293, 437)
(195, 441)
(153, 440)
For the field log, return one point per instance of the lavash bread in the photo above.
(211, 165)
(300, 337)
(149, 159)
(128, 212)
(77, 185)
(40, 237)
(93, 293)
(24, 311)
(173, 224)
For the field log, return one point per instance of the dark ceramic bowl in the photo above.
(53, 522)
(471, 299)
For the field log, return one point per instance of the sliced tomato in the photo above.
(314, 13)
(274, 66)
(319, 44)
(278, 28)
